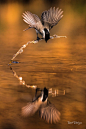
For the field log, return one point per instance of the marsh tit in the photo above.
(49, 18)
(46, 109)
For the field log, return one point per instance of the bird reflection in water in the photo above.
(40, 103)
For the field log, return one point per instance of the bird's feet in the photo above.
(38, 38)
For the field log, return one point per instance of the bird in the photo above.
(40, 103)
(49, 18)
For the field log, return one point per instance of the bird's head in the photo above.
(45, 94)
(47, 34)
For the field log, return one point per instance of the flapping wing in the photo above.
(50, 114)
(51, 17)
(30, 109)
(32, 20)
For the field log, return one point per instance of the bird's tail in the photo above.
(27, 28)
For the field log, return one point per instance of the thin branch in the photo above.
(21, 81)
(53, 93)
(34, 42)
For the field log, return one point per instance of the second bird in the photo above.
(49, 19)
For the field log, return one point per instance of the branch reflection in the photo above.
(52, 92)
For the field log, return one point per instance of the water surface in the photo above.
(59, 64)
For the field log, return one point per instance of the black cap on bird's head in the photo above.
(47, 34)
(45, 94)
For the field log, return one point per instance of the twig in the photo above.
(21, 81)
(54, 93)
(34, 42)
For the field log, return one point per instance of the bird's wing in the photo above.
(32, 20)
(31, 108)
(51, 17)
(49, 113)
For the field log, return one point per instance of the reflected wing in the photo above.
(31, 108)
(51, 17)
(50, 113)
(32, 20)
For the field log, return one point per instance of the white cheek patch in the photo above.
(42, 96)
(43, 34)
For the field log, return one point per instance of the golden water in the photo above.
(60, 64)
